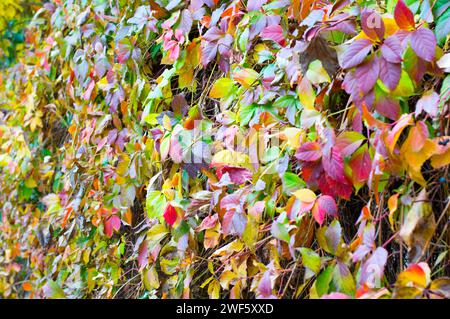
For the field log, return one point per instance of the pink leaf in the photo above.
(87, 94)
(265, 285)
(388, 107)
(335, 295)
(238, 175)
(143, 255)
(274, 33)
(208, 222)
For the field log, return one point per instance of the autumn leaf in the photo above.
(246, 77)
(356, 53)
(221, 88)
(423, 42)
(274, 33)
(418, 226)
(403, 16)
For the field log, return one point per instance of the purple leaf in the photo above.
(213, 34)
(265, 285)
(390, 73)
(367, 74)
(186, 21)
(255, 5)
(423, 42)
(388, 107)
(209, 51)
(391, 50)
(356, 53)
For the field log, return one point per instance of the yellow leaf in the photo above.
(441, 155)
(416, 275)
(214, 289)
(166, 123)
(231, 158)
(30, 183)
(293, 136)
(392, 205)
(221, 88)
(414, 160)
(306, 94)
(305, 195)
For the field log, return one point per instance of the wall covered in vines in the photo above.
(225, 149)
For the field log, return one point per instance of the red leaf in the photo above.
(325, 205)
(403, 16)
(170, 215)
(274, 33)
(392, 49)
(372, 24)
(356, 53)
(333, 165)
(423, 42)
(331, 187)
(111, 224)
(390, 73)
(361, 165)
(309, 152)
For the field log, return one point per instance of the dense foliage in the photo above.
(212, 148)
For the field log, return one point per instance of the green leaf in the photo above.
(310, 259)
(155, 204)
(322, 283)
(221, 88)
(53, 291)
(292, 182)
(442, 29)
(343, 279)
